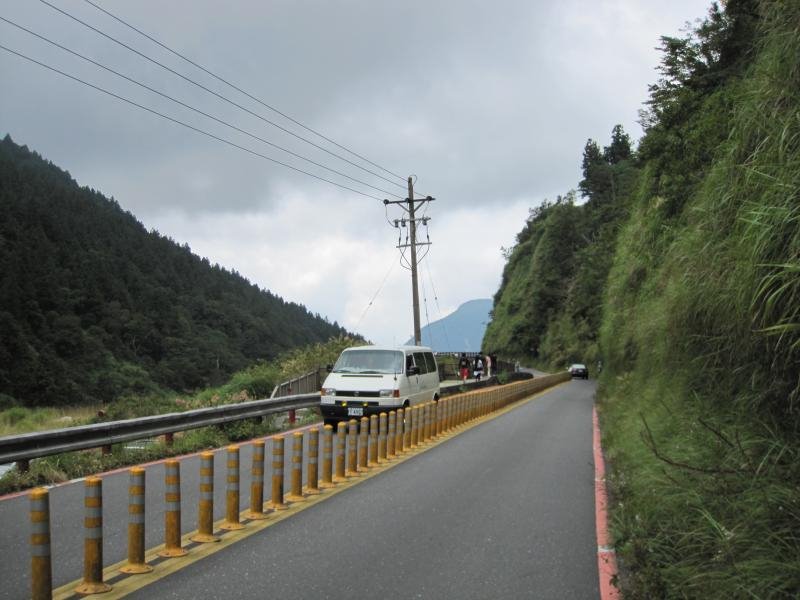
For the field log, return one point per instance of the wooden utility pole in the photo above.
(414, 285)
(412, 224)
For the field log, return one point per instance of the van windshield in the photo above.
(369, 361)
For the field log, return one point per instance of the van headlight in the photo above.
(386, 393)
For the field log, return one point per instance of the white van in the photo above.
(368, 380)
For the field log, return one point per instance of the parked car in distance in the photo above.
(579, 370)
(369, 380)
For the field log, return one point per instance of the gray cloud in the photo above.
(489, 104)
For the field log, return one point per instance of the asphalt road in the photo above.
(504, 510)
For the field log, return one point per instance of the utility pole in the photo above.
(412, 224)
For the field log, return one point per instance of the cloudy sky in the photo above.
(487, 104)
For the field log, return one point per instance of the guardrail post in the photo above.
(363, 443)
(390, 454)
(205, 513)
(172, 511)
(312, 475)
(169, 439)
(341, 444)
(352, 449)
(277, 503)
(296, 492)
(136, 507)
(382, 437)
(232, 492)
(93, 540)
(292, 416)
(41, 569)
(256, 511)
(373, 441)
(327, 457)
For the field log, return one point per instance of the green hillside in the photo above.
(94, 306)
(694, 309)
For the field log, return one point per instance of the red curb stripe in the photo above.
(606, 557)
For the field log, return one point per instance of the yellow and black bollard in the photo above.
(136, 562)
(382, 437)
(341, 445)
(93, 540)
(363, 444)
(398, 443)
(415, 423)
(205, 513)
(232, 522)
(390, 454)
(256, 511)
(41, 569)
(327, 457)
(352, 449)
(172, 511)
(373, 441)
(426, 422)
(277, 503)
(312, 472)
(296, 490)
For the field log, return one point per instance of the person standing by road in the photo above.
(478, 367)
(463, 367)
(488, 365)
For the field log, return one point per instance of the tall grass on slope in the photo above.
(701, 407)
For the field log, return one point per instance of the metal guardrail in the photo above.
(45, 443)
(70, 439)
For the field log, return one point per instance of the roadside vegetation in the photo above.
(254, 383)
(698, 313)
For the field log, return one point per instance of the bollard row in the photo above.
(381, 439)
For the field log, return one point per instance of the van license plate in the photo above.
(355, 412)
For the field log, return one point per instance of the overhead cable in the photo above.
(213, 93)
(193, 128)
(238, 89)
(197, 110)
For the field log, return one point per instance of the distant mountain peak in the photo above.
(460, 331)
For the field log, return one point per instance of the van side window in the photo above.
(409, 362)
(419, 359)
(430, 362)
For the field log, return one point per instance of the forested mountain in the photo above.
(93, 306)
(681, 272)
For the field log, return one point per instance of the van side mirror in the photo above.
(329, 368)
(413, 370)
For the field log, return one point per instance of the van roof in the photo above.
(400, 348)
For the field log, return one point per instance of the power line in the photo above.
(212, 92)
(193, 128)
(238, 89)
(380, 287)
(168, 97)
